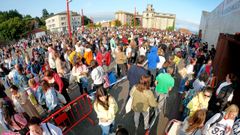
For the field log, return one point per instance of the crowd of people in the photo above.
(38, 72)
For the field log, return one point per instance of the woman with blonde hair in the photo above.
(193, 124)
(222, 123)
(143, 99)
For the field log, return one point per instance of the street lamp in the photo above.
(68, 18)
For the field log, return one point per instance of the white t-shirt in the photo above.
(190, 69)
(198, 85)
(142, 51)
(222, 127)
(77, 48)
(51, 61)
(97, 75)
(129, 52)
(161, 62)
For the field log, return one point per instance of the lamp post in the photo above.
(82, 22)
(68, 19)
(134, 18)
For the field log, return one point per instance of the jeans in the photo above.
(146, 119)
(161, 101)
(182, 85)
(106, 129)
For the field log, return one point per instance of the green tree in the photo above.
(12, 28)
(117, 23)
(170, 28)
(137, 22)
(9, 14)
(87, 21)
(45, 13)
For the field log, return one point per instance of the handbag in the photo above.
(173, 127)
(106, 81)
(128, 106)
(24, 129)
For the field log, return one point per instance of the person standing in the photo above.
(121, 60)
(164, 84)
(153, 59)
(103, 57)
(224, 93)
(106, 109)
(200, 101)
(97, 75)
(136, 71)
(143, 99)
(221, 123)
(22, 103)
(193, 125)
(15, 121)
(79, 72)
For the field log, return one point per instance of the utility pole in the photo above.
(134, 18)
(82, 22)
(69, 21)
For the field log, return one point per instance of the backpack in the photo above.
(218, 120)
(223, 92)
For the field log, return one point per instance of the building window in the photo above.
(63, 18)
(53, 20)
(62, 23)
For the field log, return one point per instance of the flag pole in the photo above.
(68, 18)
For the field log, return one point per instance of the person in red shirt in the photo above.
(103, 57)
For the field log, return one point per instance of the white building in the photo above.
(149, 18)
(59, 22)
(152, 19)
(224, 18)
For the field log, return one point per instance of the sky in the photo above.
(185, 10)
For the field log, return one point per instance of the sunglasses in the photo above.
(207, 95)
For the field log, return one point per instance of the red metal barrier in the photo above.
(72, 114)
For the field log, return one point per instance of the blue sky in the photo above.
(187, 10)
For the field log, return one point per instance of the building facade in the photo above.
(224, 18)
(149, 18)
(59, 22)
(124, 17)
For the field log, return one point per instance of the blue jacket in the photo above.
(153, 58)
(51, 99)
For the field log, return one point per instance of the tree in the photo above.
(12, 28)
(87, 21)
(117, 23)
(45, 13)
(137, 22)
(170, 28)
